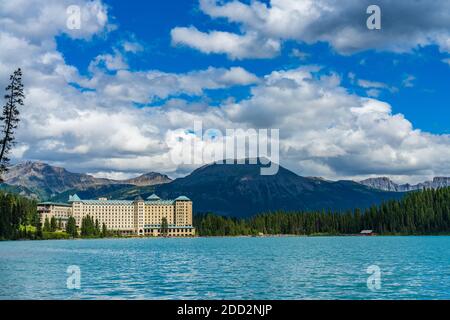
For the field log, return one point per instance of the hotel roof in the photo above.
(184, 198)
(74, 198)
(49, 203)
(153, 199)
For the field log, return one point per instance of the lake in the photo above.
(228, 268)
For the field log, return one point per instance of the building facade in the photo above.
(59, 211)
(129, 217)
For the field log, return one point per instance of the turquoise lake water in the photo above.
(228, 268)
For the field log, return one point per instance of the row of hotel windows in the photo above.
(133, 208)
(128, 212)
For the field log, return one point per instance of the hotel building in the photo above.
(129, 217)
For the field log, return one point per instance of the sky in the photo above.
(113, 97)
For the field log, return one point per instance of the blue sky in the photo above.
(111, 97)
(425, 103)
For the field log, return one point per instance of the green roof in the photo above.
(74, 198)
(184, 198)
(153, 197)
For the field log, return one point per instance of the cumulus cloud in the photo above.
(39, 21)
(91, 124)
(127, 86)
(110, 61)
(340, 23)
(132, 46)
(326, 130)
(234, 45)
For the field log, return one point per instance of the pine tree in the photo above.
(47, 227)
(53, 225)
(164, 227)
(10, 116)
(71, 228)
(104, 231)
(39, 234)
(97, 228)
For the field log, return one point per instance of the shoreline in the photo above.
(246, 236)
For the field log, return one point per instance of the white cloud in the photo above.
(145, 86)
(39, 21)
(111, 61)
(408, 81)
(299, 54)
(324, 129)
(371, 84)
(373, 88)
(97, 129)
(340, 23)
(234, 45)
(373, 93)
(114, 175)
(133, 47)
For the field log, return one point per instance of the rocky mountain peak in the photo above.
(386, 184)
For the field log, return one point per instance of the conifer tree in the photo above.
(10, 117)
(164, 227)
(53, 225)
(104, 230)
(71, 227)
(47, 227)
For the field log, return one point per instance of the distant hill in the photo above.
(147, 179)
(44, 181)
(22, 191)
(386, 184)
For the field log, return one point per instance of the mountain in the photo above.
(148, 179)
(43, 180)
(23, 191)
(382, 183)
(240, 190)
(229, 189)
(387, 184)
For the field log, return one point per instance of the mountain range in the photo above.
(42, 181)
(386, 184)
(235, 190)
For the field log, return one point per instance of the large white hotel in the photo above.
(129, 217)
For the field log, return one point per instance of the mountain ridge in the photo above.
(386, 184)
(44, 180)
(233, 190)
